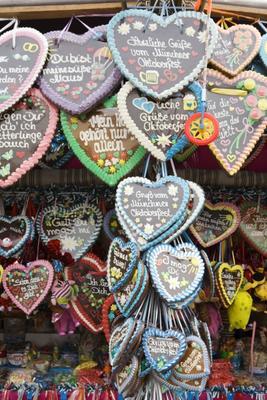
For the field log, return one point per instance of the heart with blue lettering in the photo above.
(119, 340)
(14, 233)
(158, 55)
(176, 272)
(159, 126)
(263, 49)
(122, 259)
(163, 349)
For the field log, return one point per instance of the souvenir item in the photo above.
(240, 106)
(158, 126)
(28, 286)
(90, 277)
(23, 54)
(235, 48)
(80, 71)
(26, 131)
(202, 129)
(127, 377)
(109, 313)
(102, 143)
(122, 260)
(14, 233)
(239, 312)
(112, 226)
(252, 226)
(215, 223)
(76, 228)
(161, 56)
(163, 349)
(176, 272)
(119, 340)
(229, 280)
(263, 49)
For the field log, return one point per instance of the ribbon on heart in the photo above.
(14, 233)
(28, 286)
(229, 280)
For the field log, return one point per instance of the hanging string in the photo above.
(150, 16)
(13, 21)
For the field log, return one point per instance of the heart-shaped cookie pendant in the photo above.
(235, 48)
(28, 286)
(215, 223)
(163, 349)
(126, 378)
(80, 71)
(14, 233)
(160, 58)
(263, 49)
(119, 340)
(158, 126)
(26, 131)
(20, 66)
(240, 106)
(229, 279)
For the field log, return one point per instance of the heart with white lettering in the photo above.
(77, 228)
(80, 71)
(239, 132)
(102, 143)
(263, 49)
(20, 65)
(151, 208)
(28, 286)
(158, 126)
(90, 276)
(14, 233)
(195, 362)
(215, 223)
(119, 340)
(122, 259)
(26, 131)
(235, 48)
(163, 55)
(253, 226)
(229, 279)
(163, 349)
(176, 272)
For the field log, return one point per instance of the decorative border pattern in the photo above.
(227, 267)
(130, 323)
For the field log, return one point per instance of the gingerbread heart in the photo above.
(160, 57)
(119, 339)
(109, 313)
(158, 126)
(80, 71)
(240, 106)
(263, 49)
(197, 384)
(111, 225)
(90, 277)
(26, 131)
(28, 286)
(21, 65)
(215, 223)
(229, 278)
(235, 48)
(14, 233)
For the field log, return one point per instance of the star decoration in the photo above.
(164, 140)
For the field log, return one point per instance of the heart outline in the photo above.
(29, 234)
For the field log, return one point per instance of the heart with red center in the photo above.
(90, 277)
(26, 131)
(240, 106)
(28, 286)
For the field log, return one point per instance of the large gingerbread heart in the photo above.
(235, 48)
(215, 223)
(28, 286)
(158, 126)
(160, 56)
(21, 65)
(26, 131)
(240, 106)
(14, 233)
(90, 277)
(80, 71)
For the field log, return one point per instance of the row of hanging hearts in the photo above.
(77, 73)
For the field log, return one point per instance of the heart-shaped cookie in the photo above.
(126, 378)
(122, 259)
(163, 349)
(109, 313)
(158, 126)
(76, 228)
(160, 56)
(119, 340)
(80, 71)
(102, 143)
(215, 223)
(14, 233)
(235, 48)
(151, 208)
(28, 286)
(26, 131)
(176, 272)
(20, 66)
(111, 225)
(240, 106)
(197, 384)
(263, 49)
(229, 278)
(90, 277)
(253, 226)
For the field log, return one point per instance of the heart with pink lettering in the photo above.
(28, 286)
(240, 106)
(20, 65)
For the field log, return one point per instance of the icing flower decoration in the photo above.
(256, 113)
(243, 39)
(138, 25)
(251, 100)
(91, 85)
(100, 163)
(190, 31)
(261, 91)
(153, 27)
(124, 28)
